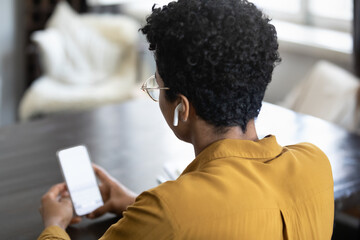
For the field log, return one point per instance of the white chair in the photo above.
(328, 92)
(88, 60)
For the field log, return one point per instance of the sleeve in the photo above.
(147, 218)
(54, 233)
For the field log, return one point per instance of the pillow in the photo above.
(52, 55)
(73, 51)
(328, 92)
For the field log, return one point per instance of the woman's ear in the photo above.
(184, 111)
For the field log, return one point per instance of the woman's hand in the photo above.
(56, 207)
(116, 196)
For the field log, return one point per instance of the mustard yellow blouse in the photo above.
(236, 189)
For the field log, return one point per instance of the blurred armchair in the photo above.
(328, 92)
(88, 60)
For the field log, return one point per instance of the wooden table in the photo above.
(132, 141)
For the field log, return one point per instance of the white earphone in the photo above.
(176, 114)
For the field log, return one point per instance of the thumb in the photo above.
(101, 174)
(100, 211)
(66, 200)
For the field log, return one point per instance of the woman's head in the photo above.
(220, 54)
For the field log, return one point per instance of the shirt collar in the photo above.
(261, 150)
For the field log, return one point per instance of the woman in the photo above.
(214, 61)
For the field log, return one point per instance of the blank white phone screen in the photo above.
(80, 179)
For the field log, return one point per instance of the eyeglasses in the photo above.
(151, 87)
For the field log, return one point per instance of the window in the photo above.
(286, 6)
(337, 9)
(331, 14)
(110, 2)
(105, 2)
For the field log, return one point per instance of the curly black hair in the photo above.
(220, 54)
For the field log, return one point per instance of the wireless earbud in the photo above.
(176, 114)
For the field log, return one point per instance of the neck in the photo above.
(204, 135)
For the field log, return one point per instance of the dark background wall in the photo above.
(11, 59)
(357, 36)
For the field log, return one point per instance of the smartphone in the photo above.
(80, 179)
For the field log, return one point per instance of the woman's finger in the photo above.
(102, 174)
(75, 220)
(65, 194)
(100, 211)
(55, 190)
